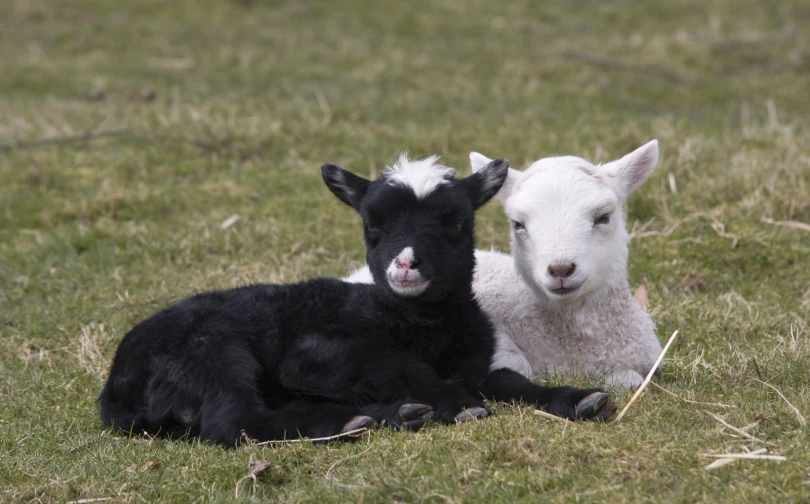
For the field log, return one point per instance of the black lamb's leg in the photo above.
(568, 402)
(414, 378)
(224, 422)
(401, 415)
(376, 376)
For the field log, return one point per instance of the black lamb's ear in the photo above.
(347, 186)
(486, 182)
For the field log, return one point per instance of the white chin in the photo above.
(409, 289)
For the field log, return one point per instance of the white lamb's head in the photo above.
(568, 230)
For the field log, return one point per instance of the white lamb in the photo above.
(563, 304)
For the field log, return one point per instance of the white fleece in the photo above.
(604, 334)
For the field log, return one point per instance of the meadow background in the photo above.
(130, 131)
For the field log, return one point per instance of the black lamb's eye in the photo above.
(454, 222)
(371, 228)
(602, 219)
(518, 226)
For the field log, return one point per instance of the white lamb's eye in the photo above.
(602, 219)
(518, 226)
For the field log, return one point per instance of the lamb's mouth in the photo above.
(565, 291)
(408, 288)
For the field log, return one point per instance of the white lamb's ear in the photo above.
(633, 169)
(478, 161)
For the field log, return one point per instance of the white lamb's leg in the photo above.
(626, 378)
(508, 355)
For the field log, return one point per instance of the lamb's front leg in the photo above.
(626, 378)
(567, 402)
(508, 355)
(389, 383)
(407, 375)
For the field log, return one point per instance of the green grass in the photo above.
(230, 107)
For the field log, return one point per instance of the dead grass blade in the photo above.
(255, 467)
(93, 342)
(647, 378)
(790, 224)
(549, 416)
(744, 456)
(230, 221)
(799, 416)
(738, 431)
(356, 433)
(689, 401)
(725, 461)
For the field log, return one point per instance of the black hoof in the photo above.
(596, 407)
(470, 413)
(414, 416)
(411, 411)
(604, 413)
(359, 422)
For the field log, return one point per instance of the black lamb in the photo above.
(322, 357)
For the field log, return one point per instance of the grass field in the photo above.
(131, 130)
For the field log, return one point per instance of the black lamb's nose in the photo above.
(410, 263)
(562, 270)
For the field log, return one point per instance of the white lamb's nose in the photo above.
(562, 269)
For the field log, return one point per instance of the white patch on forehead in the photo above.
(422, 176)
